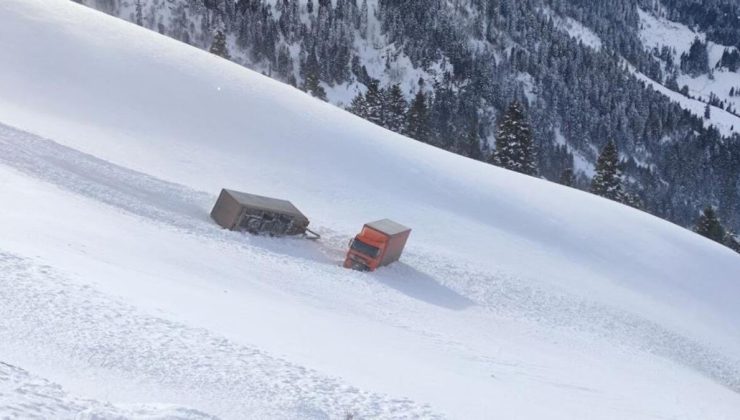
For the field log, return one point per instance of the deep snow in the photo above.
(516, 298)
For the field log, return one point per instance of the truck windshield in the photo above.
(364, 248)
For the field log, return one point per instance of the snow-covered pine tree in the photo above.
(363, 24)
(514, 144)
(470, 146)
(219, 47)
(394, 108)
(567, 178)
(730, 60)
(632, 200)
(732, 241)
(672, 82)
(138, 15)
(710, 226)
(374, 104)
(284, 63)
(358, 106)
(696, 61)
(311, 74)
(417, 118)
(608, 179)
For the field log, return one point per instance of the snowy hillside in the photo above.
(516, 298)
(467, 61)
(658, 32)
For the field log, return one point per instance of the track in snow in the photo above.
(458, 288)
(44, 310)
(25, 396)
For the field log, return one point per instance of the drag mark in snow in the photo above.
(452, 287)
(157, 201)
(43, 310)
(134, 192)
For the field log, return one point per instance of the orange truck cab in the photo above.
(378, 244)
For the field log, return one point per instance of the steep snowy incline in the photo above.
(511, 286)
(657, 32)
(399, 330)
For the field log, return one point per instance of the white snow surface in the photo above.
(25, 396)
(727, 123)
(656, 32)
(516, 298)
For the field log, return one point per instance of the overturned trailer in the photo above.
(256, 214)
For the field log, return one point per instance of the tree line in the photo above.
(477, 58)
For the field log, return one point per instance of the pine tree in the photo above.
(374, 104)
(632, 200)
(363, 19)
(514, 144)
(672, 83)
(358, 106)
(283, 63)
(312, 82)
(138, 18)
(395, 108)
(732, 241)
(219, 47)
(707, 112)
(417, 118)
(470, 146)
(696, 61)
(608, 179)
(567, 178)
(709, 226)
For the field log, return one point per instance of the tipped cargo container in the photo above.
(378, 244)
(256, 214)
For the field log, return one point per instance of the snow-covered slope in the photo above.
(25, 396)
(657, 32)
(517, 298)
(727, 123)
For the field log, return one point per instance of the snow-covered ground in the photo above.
(656, 32)
(516, 298)
(727, 123)
(25, 396)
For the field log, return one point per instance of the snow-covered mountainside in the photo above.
(714, 85)
(444, 72)
(516, 297)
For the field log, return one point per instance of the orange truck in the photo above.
(378, 244)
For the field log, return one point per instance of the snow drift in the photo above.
(517, 297)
